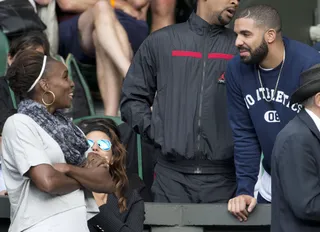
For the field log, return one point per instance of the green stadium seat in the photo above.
(4, 49)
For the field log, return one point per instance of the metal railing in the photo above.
(184, 218)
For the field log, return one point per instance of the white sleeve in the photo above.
(22, 145)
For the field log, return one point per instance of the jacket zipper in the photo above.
(201, 92)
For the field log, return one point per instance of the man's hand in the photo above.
(241, 206)
(3, 193)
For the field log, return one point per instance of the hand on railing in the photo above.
(3, 193)
(241, 206)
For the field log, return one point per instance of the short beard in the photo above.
(258, 55)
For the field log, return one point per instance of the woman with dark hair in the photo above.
(45, 167)
(32, 40)
(124, 210)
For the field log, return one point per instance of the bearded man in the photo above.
(260, 82)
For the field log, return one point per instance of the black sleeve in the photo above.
(299, 176)
(107, 220)
(91, 227)
(6, 104)
(139, 89)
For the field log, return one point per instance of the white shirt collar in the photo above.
(314, 117)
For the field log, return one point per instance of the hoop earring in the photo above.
(53, 96)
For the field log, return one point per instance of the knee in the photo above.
(102, 9)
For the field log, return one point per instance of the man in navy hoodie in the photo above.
(260, 81)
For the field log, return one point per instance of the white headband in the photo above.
(40, 75)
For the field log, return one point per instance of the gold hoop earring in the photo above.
(53, 96)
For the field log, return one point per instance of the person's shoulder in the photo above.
(21, 119)
(235, 61)
(230, 33)
(299, 46)
(303, 53)
(18, 122)
(295, 130)
(235, 65)
(168, 31)
(296, 135)
(158, 38)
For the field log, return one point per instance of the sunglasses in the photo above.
(104, 144)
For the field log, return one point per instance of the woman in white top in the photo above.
(45, 194)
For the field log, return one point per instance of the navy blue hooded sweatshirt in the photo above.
(254, 121)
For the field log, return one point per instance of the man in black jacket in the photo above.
(296, 163)
(179, 72)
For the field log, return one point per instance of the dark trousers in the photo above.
(170, 186)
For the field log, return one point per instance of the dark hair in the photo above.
(263, 15)
(118, 167)
(30, 40)
(24, 70)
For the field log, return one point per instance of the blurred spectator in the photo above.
(163, 13)
(179, 71)
(260, 84)
(97, 34)
(168, 12)
(116, 213)
(33, 40)
(44, 159)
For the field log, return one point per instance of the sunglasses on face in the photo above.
(104, 144)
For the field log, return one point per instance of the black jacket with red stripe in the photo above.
(179, 71)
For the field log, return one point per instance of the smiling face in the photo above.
(250, 41)
(60, 84)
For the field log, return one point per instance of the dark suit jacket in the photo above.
(296, 177)
(111, 220)
(6, 105)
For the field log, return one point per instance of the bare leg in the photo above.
(162, 13)
(104, 21)
(109, 80)
(124, 40)
(102, 18)
(101, 34)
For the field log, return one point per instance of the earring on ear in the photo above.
(53, 98)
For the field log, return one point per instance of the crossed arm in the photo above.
(64, 178)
